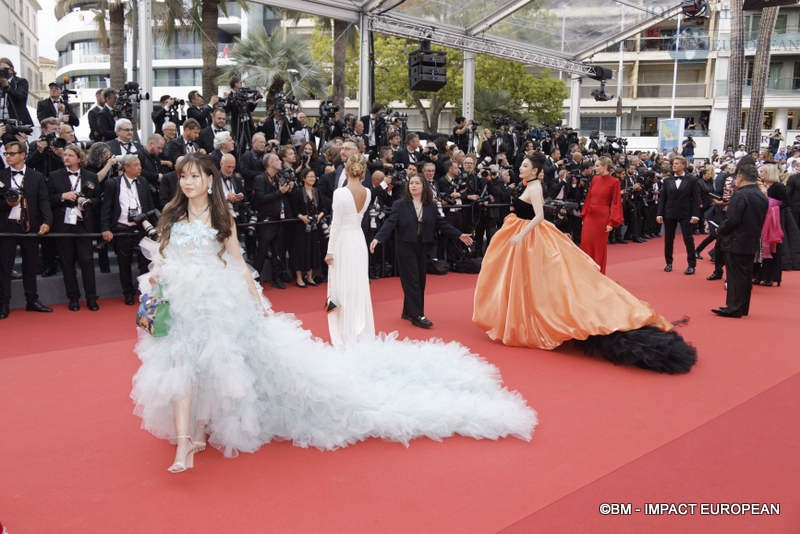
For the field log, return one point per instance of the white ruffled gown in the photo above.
(348, 277)
(255, 378)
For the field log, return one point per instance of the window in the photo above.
(186, 77)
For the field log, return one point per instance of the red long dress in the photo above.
(602, 207)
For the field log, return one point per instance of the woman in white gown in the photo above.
(348, 276)
(235, 372)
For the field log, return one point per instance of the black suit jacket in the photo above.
(167, 188)
(175, 149)
(740, 233)
(403, 220)
(106, 119)
(269, 131)
(116, 148)
(380, 129)
(90, 188)
(17, 100)
(110, 212)
(34, 188)
(401, 156)
(679, 203)
(206, 139)
(45, 108)
(201, 115)
(94, 132)
(267, 199)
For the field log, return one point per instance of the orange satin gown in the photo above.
(546, 290)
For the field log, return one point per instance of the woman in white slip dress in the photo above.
(348, 276)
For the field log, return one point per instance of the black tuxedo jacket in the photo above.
(380, 130)
(401, 156)
(90, 188)
(110, 212)
(740, 233)
(34, 188)
(175, 149)
(269, 131)
(267, 199)
(206, 139)
(106, 119)
(17, 100)
(679, 203)
(45, 108)
(116, 148)
(201, 115)
(94, 132)
(403, 220)
(167, 188)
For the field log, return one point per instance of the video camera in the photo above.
(65, 91)
(285, 104)
(53, 140)
(327, 110)
(398, 174)
(127, 97)
(14, 127)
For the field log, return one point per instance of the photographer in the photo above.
(232, 184)
(633, 203)
(170, 110)
(223, 144)
(75, 199)
(271, 201)
(775, 139)
(307, 250)
(688, 148)
(56, 106)
(239, 104)
(45, 153)
(153, 166)
(410, 153)
(488, 217)
(461, 133)
(206, 137)
(375, 127)
(125, 197)
(13, 94)
(24, 209)
(107, 117)
(124, 143)
(277, 127)
(380, 204)
(184, 144)
(199, 110)
(251, 162)
(94, 112)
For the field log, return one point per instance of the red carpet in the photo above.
(73, 459)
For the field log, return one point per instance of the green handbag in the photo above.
(153, 314)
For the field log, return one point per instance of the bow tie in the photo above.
(75, 174)
(17, 173)
(216, 131)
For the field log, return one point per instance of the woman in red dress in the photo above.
(602, 211)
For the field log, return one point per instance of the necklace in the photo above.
(197, 215)
(418, 209)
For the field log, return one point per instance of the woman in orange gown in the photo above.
(602, 211)
(537, 289)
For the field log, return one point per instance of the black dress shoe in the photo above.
(714, 276)
(637, 240)
(278, 284)
(421, 321)
(725, 312)
(3, 311)
(698, 255)
(689, 270)
(92, 304)
(16, 275)
(37, 307)
(129, 300)
(74, 305)
(622, 242)
(668, 268)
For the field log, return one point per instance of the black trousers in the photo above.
(270, 239)
(126, 247)
(412, 261)
(30, 261)
(70, 250)
(687, 230)
(740, 282)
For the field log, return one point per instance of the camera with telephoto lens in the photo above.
(14, 127)
(53, 140)
(127, 97)
(398, 174)
(83, 202)
(285, 104)
(145, 222)
(286, 176)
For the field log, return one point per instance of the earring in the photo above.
(209, 189)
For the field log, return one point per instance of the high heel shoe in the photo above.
(309, 281)
(179, 466)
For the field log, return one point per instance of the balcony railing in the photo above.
(787, 40)
(775, 86)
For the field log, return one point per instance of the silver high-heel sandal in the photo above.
(188, 458)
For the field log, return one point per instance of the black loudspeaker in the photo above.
(427, 70)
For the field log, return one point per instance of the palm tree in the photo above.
(755, 118)
(275, 64)
(343, 33)
(111, 36)
(735, 77)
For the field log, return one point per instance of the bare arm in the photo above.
(532, 194)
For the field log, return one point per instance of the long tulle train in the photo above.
(647, 347)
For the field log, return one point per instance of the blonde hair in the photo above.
(356, 166)
(771, 174)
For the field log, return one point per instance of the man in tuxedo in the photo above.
(167, 111)
(124, 198)
(375, 127)
(54, 107)
(271, 201)
(410, 153)
(94, 133)
(206, 136)
(232, 184)
(251, 164)
(276, 127)
(184, 144)
(13, 94)
(124, 143)
(679, 202)
(153, 166)
(29, 214)
(740, 237)
(75, 197)
(107, 117)
(199, 110)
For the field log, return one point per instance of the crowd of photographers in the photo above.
(279, 174)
